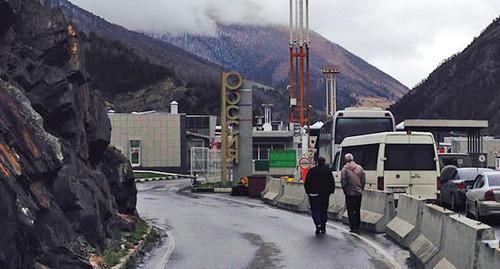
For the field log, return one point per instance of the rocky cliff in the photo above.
(63, 192)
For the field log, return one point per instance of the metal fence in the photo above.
(206, 163)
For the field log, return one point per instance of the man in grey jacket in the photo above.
(353, 181)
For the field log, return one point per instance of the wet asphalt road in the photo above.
(220, 231)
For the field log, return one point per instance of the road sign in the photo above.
(479, 159)
(304, 163)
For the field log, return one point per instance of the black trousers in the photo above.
(319, 208)
(353, 203)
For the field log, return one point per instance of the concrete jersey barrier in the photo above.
(429, 241)
(405, 227)
(377, 209)
(489, 256)
(294, 197)
(273, 191)
(337, 204)
(461, 242)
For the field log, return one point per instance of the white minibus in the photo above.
(398, 162)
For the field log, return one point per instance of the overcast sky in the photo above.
(406, 39)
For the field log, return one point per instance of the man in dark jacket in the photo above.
(353, 181)
(319, 184)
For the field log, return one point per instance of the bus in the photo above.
(352, 122)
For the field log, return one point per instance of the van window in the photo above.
(365, 155)
(422, 157)
(396, 157)
(417, 157)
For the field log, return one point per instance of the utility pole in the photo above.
(299, 62)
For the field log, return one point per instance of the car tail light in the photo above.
(438, 183)
(380, 183)
(489, 195)
(460, 186)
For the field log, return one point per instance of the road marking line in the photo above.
(369, 242)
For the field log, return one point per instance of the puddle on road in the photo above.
(268, 255)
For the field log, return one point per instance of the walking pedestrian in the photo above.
(353, 181)
(319, 185)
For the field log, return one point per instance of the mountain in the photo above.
(186, 65)
(261, 54)
(115, 54)
(160, 72)
(198, 66)
(465, 86)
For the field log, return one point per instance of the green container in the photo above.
(282, 159)
(262, 165)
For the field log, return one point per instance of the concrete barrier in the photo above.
(377, 209)
(273, 191)
(405, 227)
(294, 197)
(337, 204)
(430, 239)
(489, 256)
(460, 244)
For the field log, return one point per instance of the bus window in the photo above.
(346, 127)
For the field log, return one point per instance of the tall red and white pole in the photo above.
(299, 71)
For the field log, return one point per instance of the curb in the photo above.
(166, 256)
(170, 249)
(142, 180)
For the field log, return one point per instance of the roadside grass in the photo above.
(112, 256)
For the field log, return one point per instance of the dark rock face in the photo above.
(60, 185)
(121, 179)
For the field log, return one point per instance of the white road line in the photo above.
(367, 241)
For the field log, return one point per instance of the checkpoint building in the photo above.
(151, 140)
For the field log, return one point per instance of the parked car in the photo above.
(455, 182)
(456, 159)
(484, 197)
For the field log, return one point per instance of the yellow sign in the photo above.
(230, 116)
